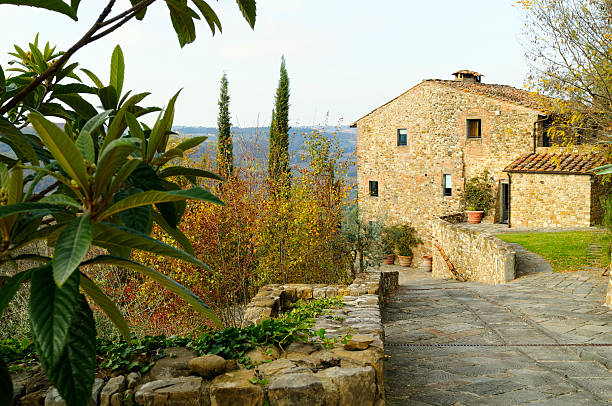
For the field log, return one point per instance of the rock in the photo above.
(254, 315)
(279, 367)
(358, 342)
(353, 386)
(371, 356)
(230, 365)
(97, 387)
(53, 397)
(18, 391)
(128, 397)
(175, 364)
(36, 398)
(305, 348)
(260, 354)
(304, 292)
(296, 390)
(37, 382)
(113, 386)
(188, 391)
(234, 388)
(208, 366)
(133, 379)
(324, 359)
(116, 399)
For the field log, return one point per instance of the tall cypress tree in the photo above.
(225, 156)
(278, 160)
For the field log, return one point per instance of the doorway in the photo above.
(505, 202)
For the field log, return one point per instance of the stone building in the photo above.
(415, 153)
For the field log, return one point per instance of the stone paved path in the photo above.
(454, 343)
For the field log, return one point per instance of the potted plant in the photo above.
(477, 197)
(388, 243)
(404, 239)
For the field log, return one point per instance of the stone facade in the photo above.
(475, 255)
(549, 200)
(609, 295)
(410, 177)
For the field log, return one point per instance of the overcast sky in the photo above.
(344, 57)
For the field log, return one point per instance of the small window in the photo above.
(373, 188)
(474, 128)
(546, 139)
(447, 185)
(402, 137)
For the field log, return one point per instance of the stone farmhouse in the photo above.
(415, 153)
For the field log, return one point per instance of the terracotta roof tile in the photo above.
(571, 164)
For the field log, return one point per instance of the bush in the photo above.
(478, 194)
(402, 238)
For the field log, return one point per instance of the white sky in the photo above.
(344, 57)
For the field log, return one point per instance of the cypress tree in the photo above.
(225, 156)
(278, 160)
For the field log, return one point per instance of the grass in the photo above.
(566, 251)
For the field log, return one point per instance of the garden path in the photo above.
(452, 343)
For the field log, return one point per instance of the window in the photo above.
(447, 185)
(474, 128)
(402, 137)
(373, 188)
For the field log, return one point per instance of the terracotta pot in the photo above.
(474, 217)
(390, 260)
(405, 261)
(427, 261)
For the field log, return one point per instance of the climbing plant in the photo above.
(103, 180)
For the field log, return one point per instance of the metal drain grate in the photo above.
(497, 345)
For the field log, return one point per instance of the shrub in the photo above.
(478, 194)
(402, 238)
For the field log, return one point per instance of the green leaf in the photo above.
(62, 200)
(73, 88)
(74, 374)
(85, 145)
(122, 175)
(108, 97)
(107, 305)
(168, 156)
(182, 21)
(183, 171)
(93, 77)
(111, 236)
(168, 283)
(53, 5)
(6, 385)
(140, 15)
(4, 176)
(62, 148)
(137, 218)
(191, 142)
(209, 15)
(249, 11)
(95, 122)
(80, 105)
(118, 125)
(113, 157)
(31, 208)
(51, 311)
(10, 288)
(117, 70)
(72, 246)
(161, 127)
(17, 141)
(2, 83)
(174, 233)
(155, 196)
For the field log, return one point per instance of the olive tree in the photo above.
(103, 180)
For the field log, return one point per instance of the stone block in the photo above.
(113, 386)
(175, 364)
(354, 386)
(302, 389)
(235, 388)
(208, 366)
(187, 391)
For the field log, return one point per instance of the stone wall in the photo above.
(549, 200)
(476, 255)
(410, 177)
(609, 295)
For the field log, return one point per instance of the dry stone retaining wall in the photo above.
(476, 255)
(609, 295)
(306, 374)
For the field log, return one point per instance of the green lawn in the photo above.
(566, 251)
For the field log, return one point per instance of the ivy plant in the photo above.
(101, 179)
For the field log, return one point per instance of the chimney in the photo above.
(468, 76)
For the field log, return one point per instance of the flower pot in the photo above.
(404, 261)
(427, 261)
(474, 217)
(390, 260)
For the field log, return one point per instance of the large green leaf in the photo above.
(140, 15)
(6, 385)
(191, 142)
(72, 246)
(183, 171)
(10, 288)
(53, 5)
(167, 156)
(117, 70)
(108, 97)
(161, 127)
(51, 311)
(122, 175)
(73, 375)
(73, 88)
(155, 196)
(168, 283)
(17, 141)
(62, 200)
(118, 124)
(79, 104)
(182, 21)
(62, 148)
(111, 159)
(95, 122)
(249, 11)
(173, 232)
(137, 218)
(111, 236)
(2, 83)
(209, 15)
(93, 78)
(30, 208)
(85, 145)
(107, 305)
